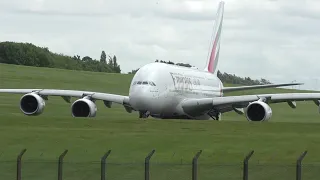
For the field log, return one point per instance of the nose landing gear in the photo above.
(144, 114)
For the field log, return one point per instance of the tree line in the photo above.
(30, 55)
(233, 79)
(224, 77)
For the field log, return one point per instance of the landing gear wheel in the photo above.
(215, 114)
(217, 117)
(144, 114)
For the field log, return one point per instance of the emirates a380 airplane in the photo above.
(172, 92)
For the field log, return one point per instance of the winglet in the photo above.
(212, 61)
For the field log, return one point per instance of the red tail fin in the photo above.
(212, 62)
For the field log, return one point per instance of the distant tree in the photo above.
(103, 57)
(264, 81)
(77, 58)
(116, 67)
(134, 71)
(110, 61)
(86, 58)
(219, 74)
(185, 65)
(170, 62)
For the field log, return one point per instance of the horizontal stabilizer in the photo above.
(240, 88)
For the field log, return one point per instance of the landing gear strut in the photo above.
(215, 115)
(144, 114)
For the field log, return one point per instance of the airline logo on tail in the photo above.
(214, 56)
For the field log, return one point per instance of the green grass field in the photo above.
(277, 143)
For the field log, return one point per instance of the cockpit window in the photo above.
(144, 83)
(152, 83)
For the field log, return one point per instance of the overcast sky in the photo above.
(274, 39)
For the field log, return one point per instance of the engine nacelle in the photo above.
(32, 104)
(83, 108)
(258, 111)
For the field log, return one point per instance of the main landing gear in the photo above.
(144, 114)
(215, 115)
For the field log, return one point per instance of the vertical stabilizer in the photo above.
(212, 61)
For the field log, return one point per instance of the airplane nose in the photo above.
(142, 99)
(139, 100)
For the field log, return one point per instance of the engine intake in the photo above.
(83, 108)
(32, 104)
(258, 111)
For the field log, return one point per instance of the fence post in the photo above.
(60, 164)
(147, 165)
(298, 168)
(19, 164)
(195, 165)
(103, 165)
(245, 166)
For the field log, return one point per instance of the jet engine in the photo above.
(258, 111)
(84, 108)
(32, 104)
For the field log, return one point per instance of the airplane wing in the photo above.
(108, 99)
(240, 88)
(238, 103)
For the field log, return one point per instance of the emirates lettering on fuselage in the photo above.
(182, 82)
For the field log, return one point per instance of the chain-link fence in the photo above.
(148, 170)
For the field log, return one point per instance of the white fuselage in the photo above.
(159, 88)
